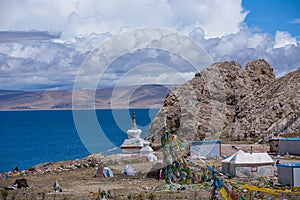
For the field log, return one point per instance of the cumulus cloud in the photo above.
(38, 65)
(245, 46)
(283, 39)
(53, 64)
(123, 52)
(82, 17)
(51, 59)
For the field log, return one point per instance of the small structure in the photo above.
(205, 148)
(289, 145)
(148, 151)
(289, 173)
(285, 145)
(107, 172)
(129, 170)
(134, 143)
(243, 164)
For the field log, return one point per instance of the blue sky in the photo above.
(43, 44)
(273, 15)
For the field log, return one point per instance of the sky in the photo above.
(274, 15)
(44, 44)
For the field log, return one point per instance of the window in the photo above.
(253, 169)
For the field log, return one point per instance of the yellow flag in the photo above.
(226, 195)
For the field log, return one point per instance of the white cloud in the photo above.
(77, 17)
(283, 39)
(153, 74)
(245, 46)
(295, 21)
(49, 62)
(55, 63)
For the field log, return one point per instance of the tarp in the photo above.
(107, 172)
(129, 170)
(205, 148)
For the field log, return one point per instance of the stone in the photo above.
(21, 183)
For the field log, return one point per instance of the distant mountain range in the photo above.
(143, 96)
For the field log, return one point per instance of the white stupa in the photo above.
(134, 143)
(148, 151)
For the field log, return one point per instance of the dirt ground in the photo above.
(81, 184)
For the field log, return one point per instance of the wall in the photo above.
(290, 146)
(254, 170)
(225, 168)
(296, 176)
(285, 175)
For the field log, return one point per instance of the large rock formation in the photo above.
(229, 102)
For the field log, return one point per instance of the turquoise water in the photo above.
(28, 138)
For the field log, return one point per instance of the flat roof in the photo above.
(204, 141)
(292, 139)
(294, 164)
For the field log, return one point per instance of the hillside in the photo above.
(132, 96)
(228, 102)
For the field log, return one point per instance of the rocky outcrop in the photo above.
(274, 109)
(229, 102)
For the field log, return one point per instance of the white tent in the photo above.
(107, 172)
(243, 164)
(129, 170)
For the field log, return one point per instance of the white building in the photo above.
(243, 164)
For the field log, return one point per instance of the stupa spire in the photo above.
(134, 121)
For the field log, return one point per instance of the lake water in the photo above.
(28, 138)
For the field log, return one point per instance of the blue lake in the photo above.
(28, 138)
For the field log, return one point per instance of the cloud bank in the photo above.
(82, 17)
(32, 58)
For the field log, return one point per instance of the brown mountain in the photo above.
(132, 96)
(228, 102)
